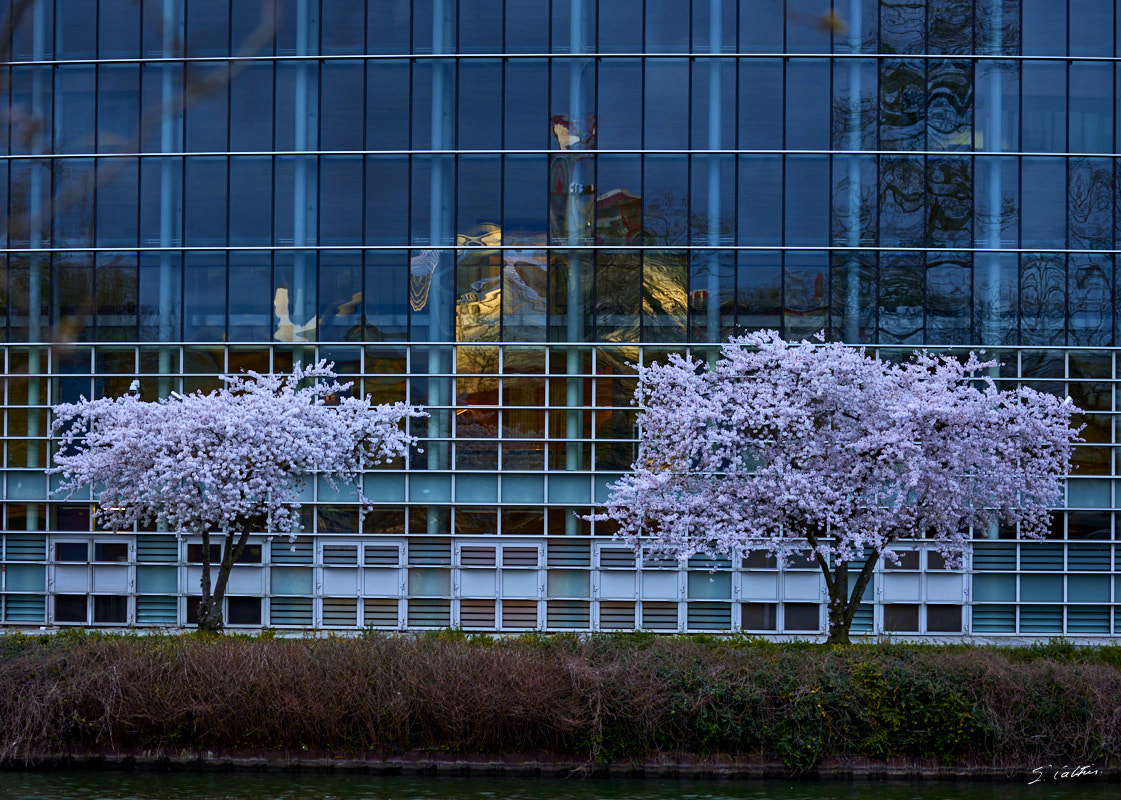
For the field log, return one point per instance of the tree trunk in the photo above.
(210, 608)
(843, 602)
(838, 605)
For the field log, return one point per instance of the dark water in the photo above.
(242, 786)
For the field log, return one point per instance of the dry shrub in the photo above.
(600, 698)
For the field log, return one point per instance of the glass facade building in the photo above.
(494, 208)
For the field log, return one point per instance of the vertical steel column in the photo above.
(852, 238)
(37, 197)
(993, 134)
(170, 206)
(715, 91)
(440, 296)
(575, 221)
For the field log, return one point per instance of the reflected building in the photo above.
(496, 209)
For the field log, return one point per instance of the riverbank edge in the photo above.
(465, 766)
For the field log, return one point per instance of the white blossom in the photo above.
(785, 446)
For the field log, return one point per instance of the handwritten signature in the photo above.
(1049, 773)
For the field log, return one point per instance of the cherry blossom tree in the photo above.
(821, 448)
(226, 463)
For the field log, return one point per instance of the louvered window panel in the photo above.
(1087, 619)
(616, 615)
(519, 556)
(651, 561)
(26, 547)
(150, 547)
(1042, 556)
(994, 555)
(340, 554)
(290, 611)
(477, 557)
(569, 553)
(340, 612)
(994, 618)
(156, 609)
(659, 616)
(382, 556)
(24, 608)
(616, 558)
(863, 619)
(707, 562)
(429, 613)
(476, 614)
(1088, 556)
(286, 552)
(519, 614)
(568, 614)
(709, 616)
(430, 551)
(1041, 619)
(379, 613)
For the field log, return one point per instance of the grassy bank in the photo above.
(602, 698)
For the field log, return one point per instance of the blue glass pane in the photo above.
(75, 29)
(667, 104)
(250, 302)
(388, 26)
(620, 26)
(387, 212)
(1044, 107)
(620, 110)
(340, 296)
(208, 31)
(340, 200)
(74, 109)
(205, 201)
(341, 112)
(207, 119)
(807, 104)
(1044, 27)
(161, 297)
(117, 198)
(118, 108)
(204, 297)
(526, 122)
(342, 25)
(479, 117)
(807, 185)
(387, 105)
(386, 294)
(1043, 210)
(527, 27)
(1091, 108)
(902, 104)
(250, 200)
(760, 200)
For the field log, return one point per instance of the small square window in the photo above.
(70, 608)
(194, 554)
(72, 551)
(250, 555)
(901, 618)
(760, 616)
(802, 617)
(943, 619)
(759, 559)
(114, 552)
(908, 559)
(193, 610)
(243, 610)
(110, 609)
